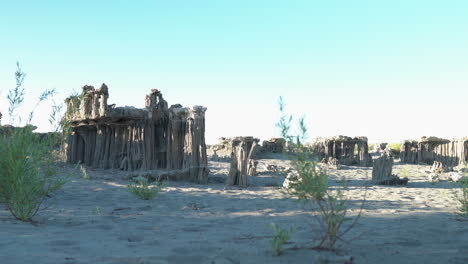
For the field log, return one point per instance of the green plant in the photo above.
(145, 190)
(27, 172)
(330, 207)
(84, 172)
(280, 237)
(462, 196)
(97, 210)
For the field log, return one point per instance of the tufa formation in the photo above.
(128, 138)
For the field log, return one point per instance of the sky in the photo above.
(388, 70)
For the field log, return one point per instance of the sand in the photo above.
(99, 221)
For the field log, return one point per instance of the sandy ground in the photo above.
(99, 221)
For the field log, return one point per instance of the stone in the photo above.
(409, 152)
(292, 176)
(244, 150)
(382, 168)
(426, 150)
(433, 177)
(136, 139)
(438, 167)
(379, 147)
(274, 145)
(347, 150)
(382, 171)
(455, 176)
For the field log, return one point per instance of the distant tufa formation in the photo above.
(129, 138)
(346, 150)
(428, 150)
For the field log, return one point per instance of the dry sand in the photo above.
(99, 221)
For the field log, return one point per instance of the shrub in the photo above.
(145, 190)
(330, 207)
(280, 237)
(27, 174)
(462, 196)
(84, 172)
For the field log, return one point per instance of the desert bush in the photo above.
(145, 190)
(84, 172)
(27, 174)
(280, 237)
(27, 171)
(330, 207)
(462, 196)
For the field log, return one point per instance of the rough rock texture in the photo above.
(382, 169)
(347, 150)
(450, 153)
(221, 151)
(409, 152)
(331, 163)
(439, 167)
(244, 152)
(128, 138)
(379, 147)
(274, 145)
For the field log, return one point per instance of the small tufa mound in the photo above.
(456, 176)
(382, 171)
(439, 167)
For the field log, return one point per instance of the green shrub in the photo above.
(84, 172)
(145, 190)
(27, 172)
(280, 237)
(330, 207)
(462, 196)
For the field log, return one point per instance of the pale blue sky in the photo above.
(384, 69)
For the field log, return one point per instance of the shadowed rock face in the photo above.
(429, 149)
(343, 149)
(243, 164)
(274, 145)
(129, 138)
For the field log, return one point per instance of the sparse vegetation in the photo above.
(330, 207)
(84, 172)
(27, 172)
(145, 190)
(97, 210)
(462, 196)
(280, 237)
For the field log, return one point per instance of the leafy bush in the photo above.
(145, 190)
(280, 237)
(27, 172)
(330, 207)
(462, 196)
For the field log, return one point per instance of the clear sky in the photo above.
(388, 70)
